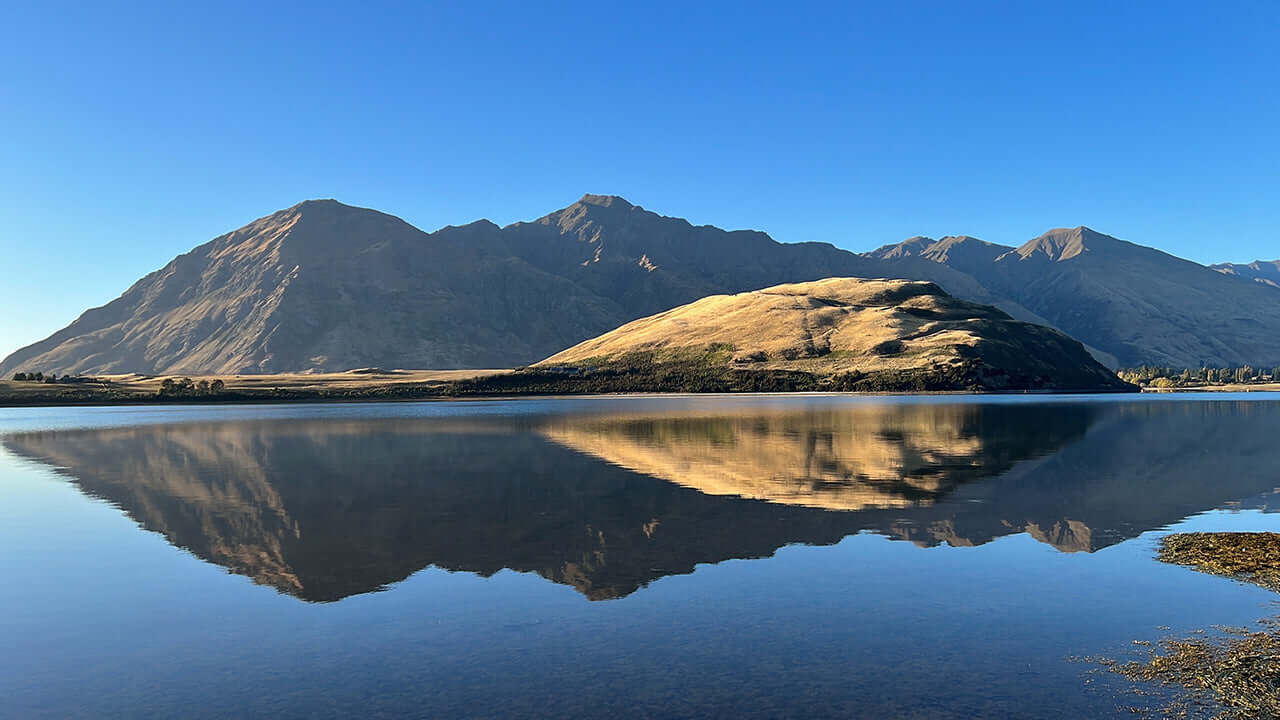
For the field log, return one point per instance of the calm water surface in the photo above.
(799, 556)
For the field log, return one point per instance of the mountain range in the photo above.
(327, 286)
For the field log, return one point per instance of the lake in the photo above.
(737, 556)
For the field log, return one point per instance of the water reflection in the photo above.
(606, 503)
(852, 458)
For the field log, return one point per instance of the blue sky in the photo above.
(133, 132)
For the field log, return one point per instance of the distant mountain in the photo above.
(1266, 272)
(322, 285)
(326, 286)
(1136, 303)
(844, 333)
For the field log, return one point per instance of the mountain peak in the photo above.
(316, 205)
(1061, 244)
(605, 201)
(907, 248)
(964, 252)
(317, 210)
(590, 208)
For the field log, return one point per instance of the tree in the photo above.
(167, 386)
(216, 387)
(38, 377)
(202, 387)
(20, 377)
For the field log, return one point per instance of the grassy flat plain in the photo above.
(1237, 387)
(365, 384)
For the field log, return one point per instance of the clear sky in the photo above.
(135, 131)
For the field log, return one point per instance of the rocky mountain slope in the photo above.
(866, 334)
(1135, 303)
(324, 286)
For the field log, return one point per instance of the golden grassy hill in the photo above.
(842, 334)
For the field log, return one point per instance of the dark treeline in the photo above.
(184, 387)
(51, 378)
(1157, 376)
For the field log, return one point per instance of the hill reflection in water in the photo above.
(606, 503)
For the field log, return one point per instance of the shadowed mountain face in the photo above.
(326, 286)
(1134, 303)
(606, 503)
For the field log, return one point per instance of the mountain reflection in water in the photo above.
(606, 503)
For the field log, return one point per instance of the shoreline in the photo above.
(375, 392)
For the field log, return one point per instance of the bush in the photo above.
(184, 387)
(20, 377)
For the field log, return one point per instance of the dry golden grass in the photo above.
(302, 386)
(838, 323)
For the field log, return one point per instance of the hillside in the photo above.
(322, 287)
(845, 334)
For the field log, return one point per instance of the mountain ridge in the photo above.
(326, 286)
(1266, 272)
(1137, 303)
